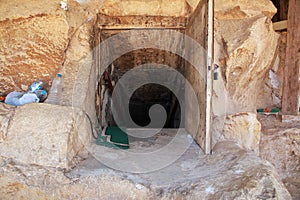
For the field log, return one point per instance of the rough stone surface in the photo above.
(32, 43)
(280, 144)
(46, 135)
(241, 128)
(78, 60)
(6, 114)
(38, 36)
(156, 8)
(245, 49)
(230, 173)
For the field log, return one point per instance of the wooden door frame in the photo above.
(209, 77)
(290, 93)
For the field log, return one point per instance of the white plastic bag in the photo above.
(19, 98)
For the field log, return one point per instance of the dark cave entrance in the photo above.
(147, 95)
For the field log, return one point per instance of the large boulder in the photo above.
(46, 135)
(242, 128)
(245, 46)
(33, 40)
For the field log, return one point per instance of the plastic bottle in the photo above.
(55, 91)
(41, 94)
(36, 86)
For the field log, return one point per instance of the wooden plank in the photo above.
(197, 28)
(140, 22)
(209, 75)
(291, 72)
(281, 25)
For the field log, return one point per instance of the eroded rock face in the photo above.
(33, 40)
(152, 8)
(46, 135)
(241, 128)
(245, 49)
(274, 84)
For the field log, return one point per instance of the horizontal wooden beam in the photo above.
(116, 28)
(281, 25)
(140, 22)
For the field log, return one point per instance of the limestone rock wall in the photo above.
(245, 47)
(33, 40)
(156, 7)
(37, 37)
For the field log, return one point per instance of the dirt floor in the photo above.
(222, 173)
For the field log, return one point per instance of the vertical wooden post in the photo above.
(291, 72)
(209, 75)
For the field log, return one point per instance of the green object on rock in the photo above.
(268, 110)
(275, 110)
(114, 137)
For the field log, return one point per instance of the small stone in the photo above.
(24, 87)
(139, 186)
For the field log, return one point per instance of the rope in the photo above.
(91, 124)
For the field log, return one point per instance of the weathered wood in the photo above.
(281, 25)
(197, 28)
(291, 71)
(283, 12)
(209, 76)
(140, 22)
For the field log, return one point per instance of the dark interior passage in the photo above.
(282, 10)
(149, 95)
(146, 95)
